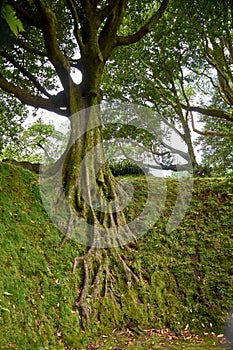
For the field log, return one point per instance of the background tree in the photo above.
(211, 65)
(28, 142)
(156, 80)
(213, 55)
(180, 69)
(216, 144)
(12, 115)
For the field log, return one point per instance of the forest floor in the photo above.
(158, 340)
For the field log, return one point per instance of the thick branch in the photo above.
(113, 21)
(146, 28)
(49, 28)
(77, 31)
(209, 112)
(28, 99)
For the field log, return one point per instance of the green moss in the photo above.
(187, 273)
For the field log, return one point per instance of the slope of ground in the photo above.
(188, 274)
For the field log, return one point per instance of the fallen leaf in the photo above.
(6, 293)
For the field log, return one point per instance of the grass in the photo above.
(188, 273)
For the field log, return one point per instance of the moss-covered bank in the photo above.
(187, 274)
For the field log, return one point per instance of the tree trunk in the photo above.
(94, 197)
(188, 141)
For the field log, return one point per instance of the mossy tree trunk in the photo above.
(89, 185)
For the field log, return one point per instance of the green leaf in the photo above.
(9, 15)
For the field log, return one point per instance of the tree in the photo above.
(183, 70)
(12, 115)
(216, 145)
(210, 67)
(26, 142)
(157, 81)
(55, 33)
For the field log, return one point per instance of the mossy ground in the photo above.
(188, 274)
(154, 342)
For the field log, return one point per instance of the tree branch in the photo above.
(160, 166)
(26, 46)
(107, 10)
(208, 132)
(146, 28)
(49, 28)
(215, 56)
(31, 100)
(209, 112)
(113, 20)
(171, 149)
(25, 73)
(77, 31)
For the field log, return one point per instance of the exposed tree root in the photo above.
(98, 199)
(100, 279)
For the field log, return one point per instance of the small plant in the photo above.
(127, 167)
(202, 170)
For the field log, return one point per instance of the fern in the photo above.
(10, 17)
